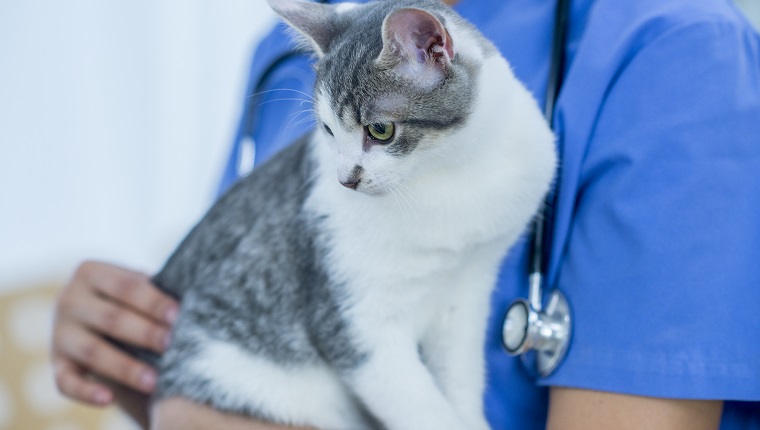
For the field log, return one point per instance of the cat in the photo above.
(345, 283)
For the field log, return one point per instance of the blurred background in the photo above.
(115, 122)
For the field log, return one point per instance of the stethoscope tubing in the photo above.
(541, 238)
(544, 333)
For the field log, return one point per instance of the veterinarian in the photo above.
(656, 225)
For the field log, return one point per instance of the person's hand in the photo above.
(105, 300)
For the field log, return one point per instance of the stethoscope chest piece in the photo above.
(540, 337)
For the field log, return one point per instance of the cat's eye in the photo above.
(327, 129)
(382, 132)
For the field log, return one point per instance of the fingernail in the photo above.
(102, 397)
(171, 315)
(148, 380)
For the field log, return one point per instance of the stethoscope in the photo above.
(539, 335)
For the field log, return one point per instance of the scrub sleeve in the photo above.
(659, 212)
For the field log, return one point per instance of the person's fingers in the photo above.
(101, 358)
(71, 381)
(131, 288)
(121, 323)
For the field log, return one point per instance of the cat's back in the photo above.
(258, 219)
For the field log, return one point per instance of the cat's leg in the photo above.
(397, 388)
(229, 378)
(454, 347)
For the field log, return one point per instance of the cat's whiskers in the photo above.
(301, 111)
(287, 99)
(404, 191)
(295, 115)
(283, 89)
(415, 181)
(394, 192)
(311, 117)
(404, 202)
(419, 178)
(302, 100)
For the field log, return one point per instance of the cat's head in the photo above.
(395, 80)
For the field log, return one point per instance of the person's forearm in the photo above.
(574, 409)
(181, 414)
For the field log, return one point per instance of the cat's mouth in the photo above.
(358, 179)
(351, 183)
(364, 186)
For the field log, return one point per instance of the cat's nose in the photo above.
(353, 178)
(351, 182)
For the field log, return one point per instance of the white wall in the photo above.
(115, 120)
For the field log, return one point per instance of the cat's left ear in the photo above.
(314, 21)
(417, 46)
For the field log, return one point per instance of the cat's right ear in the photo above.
(416, 46)
(315, 22)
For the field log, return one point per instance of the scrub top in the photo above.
(656, 225)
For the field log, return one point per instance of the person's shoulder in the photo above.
(649, 20)
(668, 13)
(613, 33)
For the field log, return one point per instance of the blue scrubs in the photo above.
(657, 221)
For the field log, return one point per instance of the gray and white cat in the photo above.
(364, 305)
